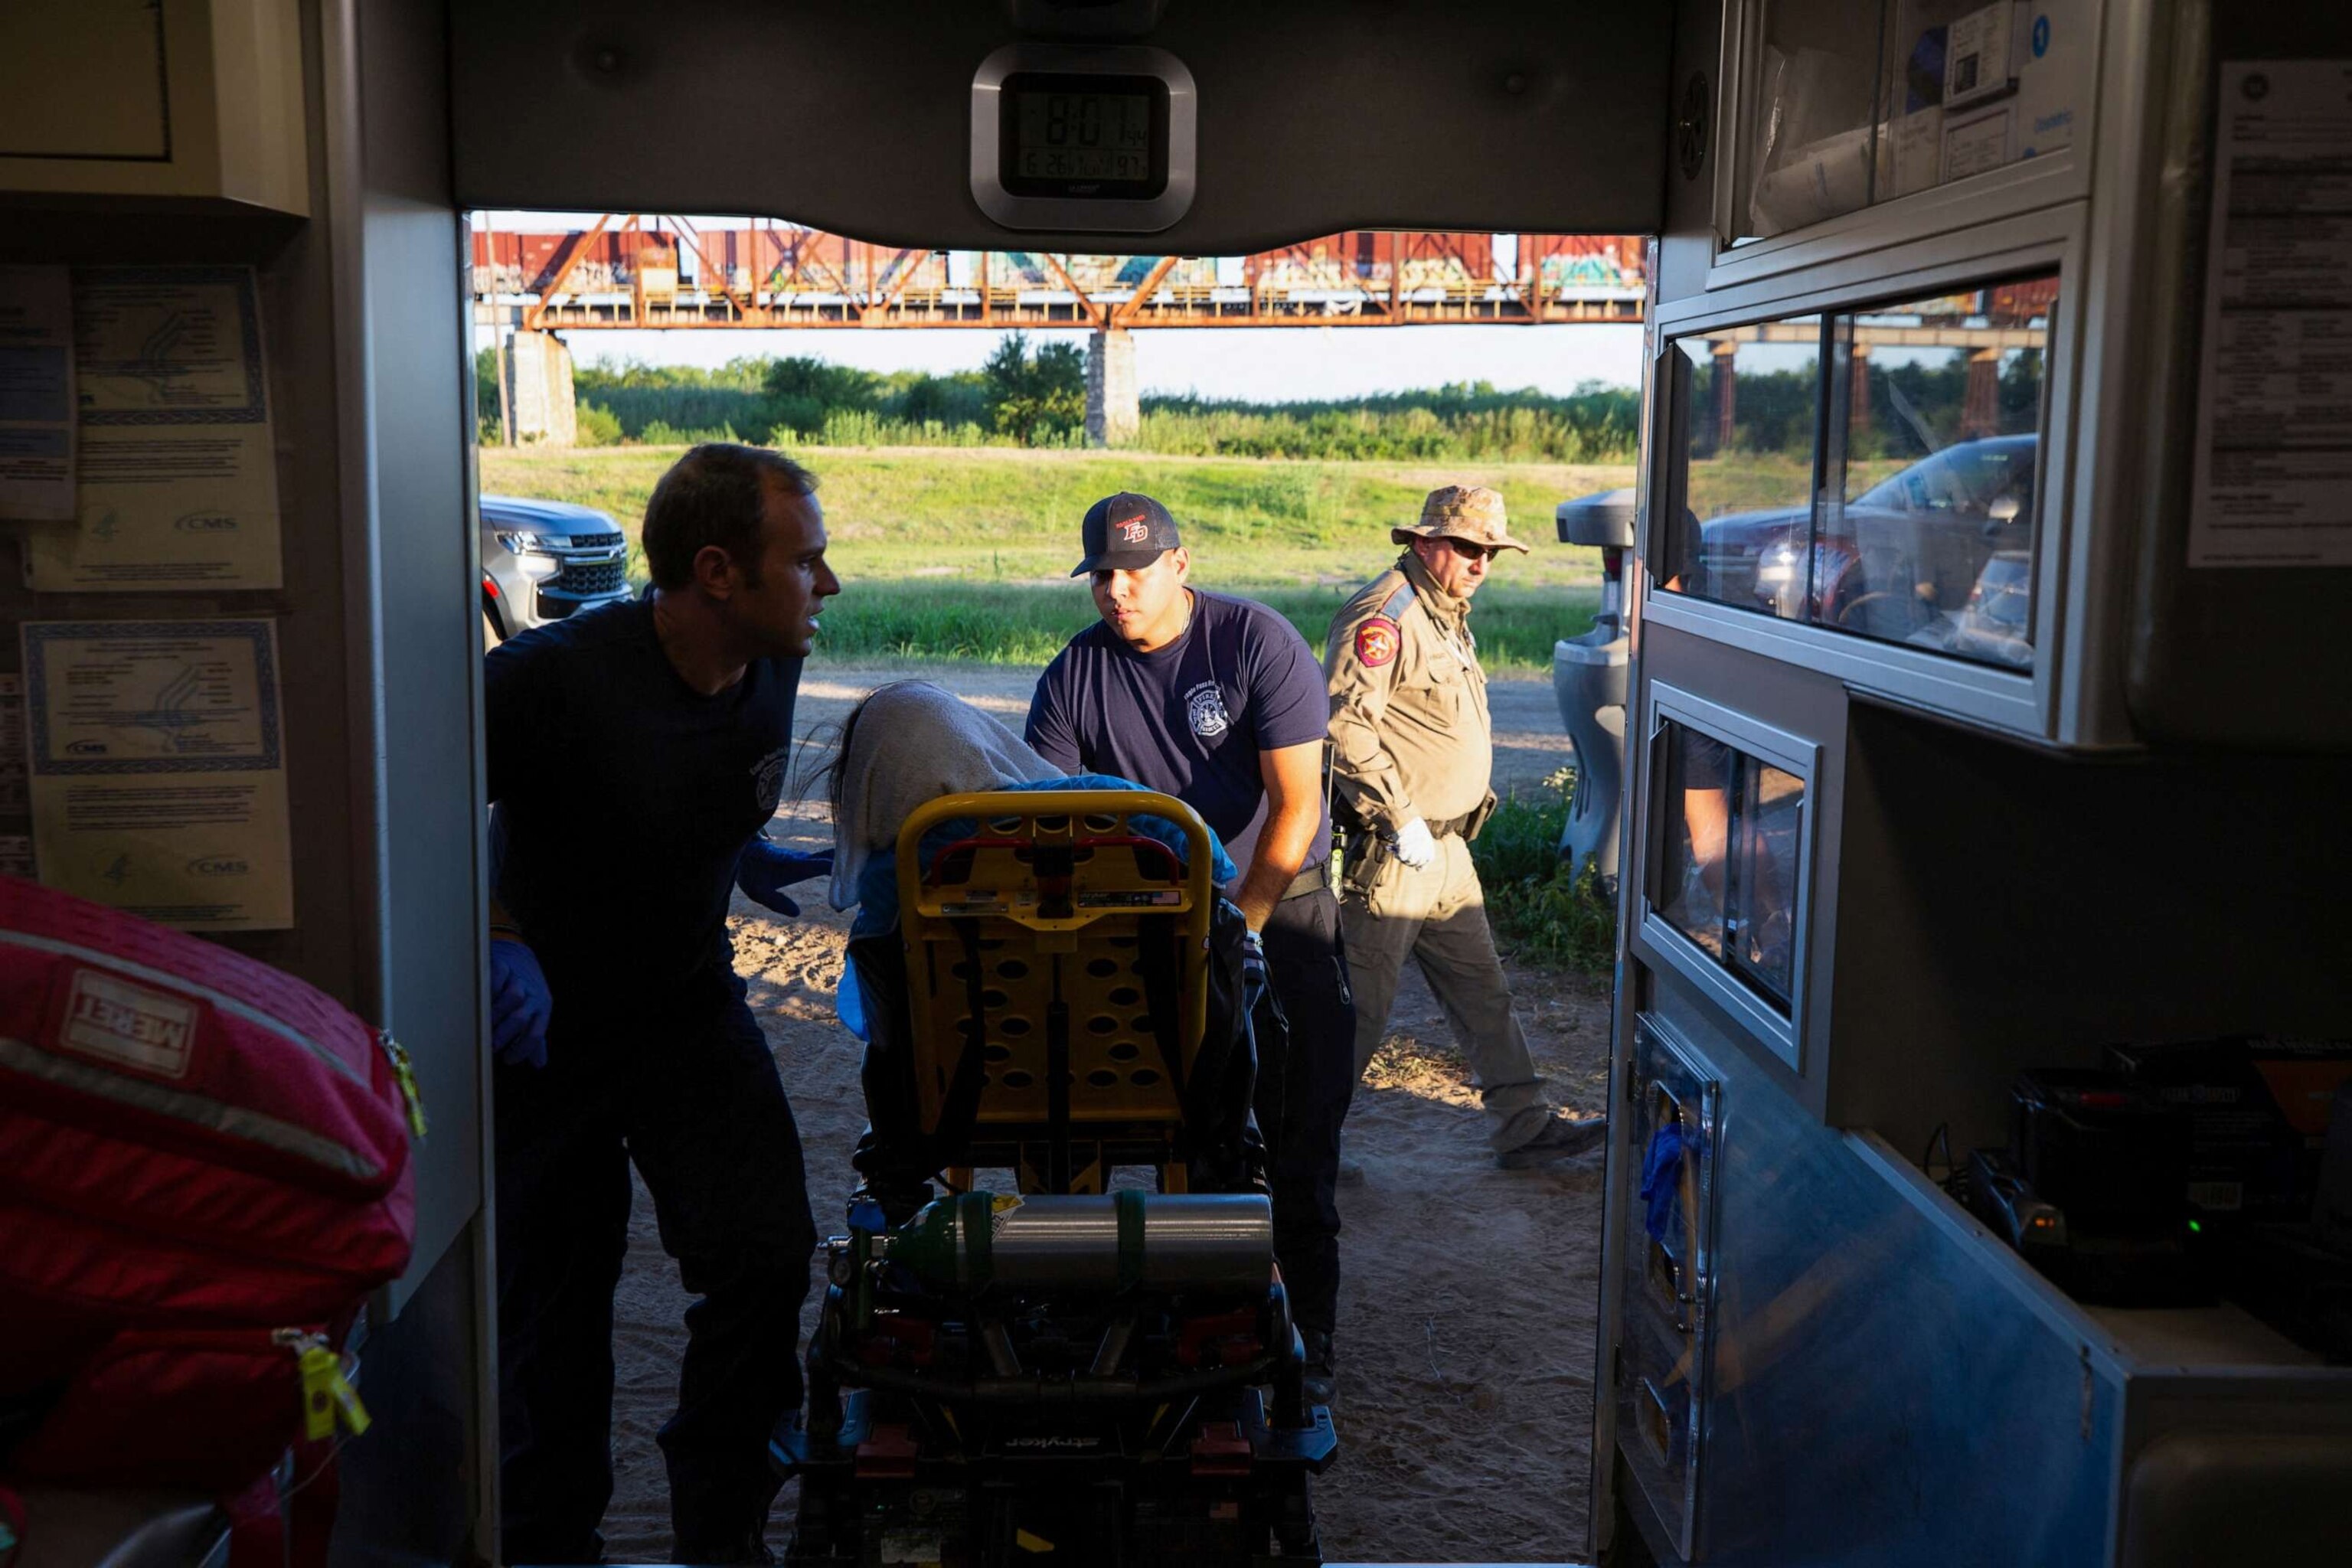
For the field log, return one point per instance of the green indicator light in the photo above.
(2195, 1229)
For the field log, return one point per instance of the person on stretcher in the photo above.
(906, 745)
(909, 744)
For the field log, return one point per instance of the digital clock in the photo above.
(1074, 139)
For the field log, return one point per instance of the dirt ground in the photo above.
(1467, 1314)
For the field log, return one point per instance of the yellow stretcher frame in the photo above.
(1078, 941)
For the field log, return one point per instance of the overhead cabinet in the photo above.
(192, 101)
(1830, 108)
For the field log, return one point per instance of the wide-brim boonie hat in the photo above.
(1471, 512)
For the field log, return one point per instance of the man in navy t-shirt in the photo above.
(1220, 702)
(635, 754)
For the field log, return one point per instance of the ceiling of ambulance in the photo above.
(1313, 117)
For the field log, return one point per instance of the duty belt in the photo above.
(1314, 880)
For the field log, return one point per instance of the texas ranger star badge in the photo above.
(1376, 641)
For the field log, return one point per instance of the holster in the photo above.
(1477, 820)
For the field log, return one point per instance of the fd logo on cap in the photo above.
(1135, 531)
(1376, 641)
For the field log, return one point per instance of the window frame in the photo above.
(2013, 701)
(1662, 943)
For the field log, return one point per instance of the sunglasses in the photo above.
(1470, 552)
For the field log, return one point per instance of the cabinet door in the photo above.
(183, 98)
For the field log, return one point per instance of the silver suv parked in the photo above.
(544, 559)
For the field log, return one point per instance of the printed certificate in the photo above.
(158, 772)
(36, 395)
(178, 474)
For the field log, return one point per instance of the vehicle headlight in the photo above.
(534, 553)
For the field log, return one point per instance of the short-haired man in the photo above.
(1412, 757)
(635, 754)
(1219, 702)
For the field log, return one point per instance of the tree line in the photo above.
(1034, 394)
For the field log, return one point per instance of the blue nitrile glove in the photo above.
(1662, 1179)
(849, 1002)
(1253, 980)
(766, 869)
(519, 1004)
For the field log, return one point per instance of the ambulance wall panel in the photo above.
(421, 1488)
(422, 552)
(1539, 115)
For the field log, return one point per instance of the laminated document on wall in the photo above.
(178, 474)
(36, 395)
(2274, 457)
(158, 768)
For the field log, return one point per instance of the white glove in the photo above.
(1414, 846)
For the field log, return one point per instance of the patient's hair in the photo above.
(835, 773)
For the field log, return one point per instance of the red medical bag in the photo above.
(204, 1171)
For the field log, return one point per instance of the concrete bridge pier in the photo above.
(1114, 406)
(539, 390)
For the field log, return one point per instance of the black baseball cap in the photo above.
(1125, 532)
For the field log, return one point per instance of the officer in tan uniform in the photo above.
(1412, 755)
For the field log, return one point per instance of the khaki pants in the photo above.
(1438, 916)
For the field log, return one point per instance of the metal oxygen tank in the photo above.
(1108, 1241)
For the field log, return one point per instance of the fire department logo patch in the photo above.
(1204, 709)
(1135, 531)
(1376, 641)
(768, 781)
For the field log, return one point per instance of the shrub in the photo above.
(598, 426)
(1037, 399)
(660, 434)
(1543, 911)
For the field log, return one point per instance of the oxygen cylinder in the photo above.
(1110, 1242)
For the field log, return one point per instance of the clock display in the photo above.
(1070, 135)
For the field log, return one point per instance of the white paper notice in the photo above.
(2273, 474)
(36, 395)
(178, 475)
(158, 768)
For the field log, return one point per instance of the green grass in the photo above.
(965, 554)
(1014, 515)
(1542, 913)
(882, 620)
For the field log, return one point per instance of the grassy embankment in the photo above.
(963, 554)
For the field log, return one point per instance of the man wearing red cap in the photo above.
(1219, 702)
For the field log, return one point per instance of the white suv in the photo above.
(544, 559)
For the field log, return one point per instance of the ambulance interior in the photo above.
(1923, 856)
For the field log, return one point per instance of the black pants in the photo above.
(686, 1087)
(1302, 1097)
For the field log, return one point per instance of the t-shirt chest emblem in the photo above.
(1204, 710)
(768, 781)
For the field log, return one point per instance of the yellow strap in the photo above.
(404, 1072)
